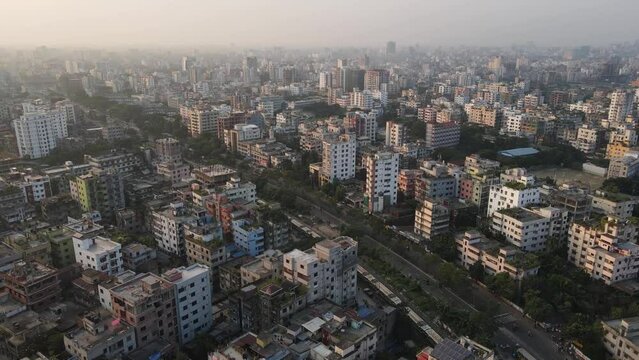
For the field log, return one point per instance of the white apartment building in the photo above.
(624, 167)
(441, 135)
(605, 249)
(248, 237)
(38, 130)
(587, 139)
(529, 230)
(382, 170)
(36, 188)
(621, 338)
(396, 134)
(201, 121)
(362, 99)
(328, 270)
(168, 226)
(338, 158)
(519, 175)
(472, 247)
(511, 195)
(235, 189)
(621, 103)
(98, 253)
(193, 300)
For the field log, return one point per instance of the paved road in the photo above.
(538, 343)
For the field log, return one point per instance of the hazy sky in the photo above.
(316, 22)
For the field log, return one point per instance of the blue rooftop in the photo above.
(519, 152)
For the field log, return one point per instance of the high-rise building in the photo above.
(351, 78)
(325, 80)
(362, 124)
(362, 99)
(621, 104)
(512, 195)
(147, 303)
(169, 225)
(192, 299)
(382, 170)
(396, 134)
(99, 190)
(373, 79)
(391, 48)
(432, 218)
(338, 158)
(39, 130)
(202, 121)
(441, 135)
(168, 150)
(328, 270)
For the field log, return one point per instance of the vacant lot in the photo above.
(564, 175)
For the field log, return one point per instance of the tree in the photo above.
(503, 285)
(535, 306)
(477, 271)
(444, 246)
(449, 274)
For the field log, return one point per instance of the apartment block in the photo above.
(168, 225)
(328, 270)
(338, 158)
(432, 218)
(38, 131)
(605, 249)
(442, 135)
(147, 303)
(193, 300)
(248, 236)
(99, 190)
(621, 338)
(396, 134)
(529, 230)
(100, 336)
(35, 285)
(382, 170)
(472, 247)
(512, 195)
(613, 204)
(98, 253)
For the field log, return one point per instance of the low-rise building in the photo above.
(248, 236)
(98, 253)
(530, 229)
(100, 336)
(472, 247)
(605, 249)
(614, 204)
(621, 338)
(33, 284)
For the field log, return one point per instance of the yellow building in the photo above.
(617, 150)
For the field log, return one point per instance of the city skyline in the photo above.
(290, 23)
